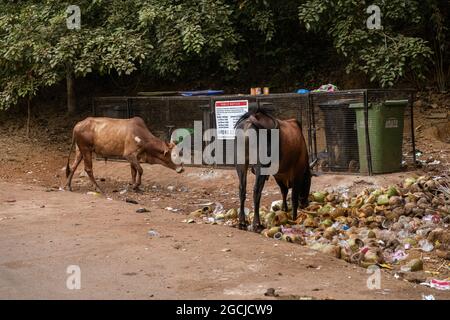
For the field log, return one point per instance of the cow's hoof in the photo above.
(242, 226)
(99, 191)
(257, 228)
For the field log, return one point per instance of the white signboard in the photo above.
(227, 114)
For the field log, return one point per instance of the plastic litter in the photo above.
(153, 233)
(218, 209)
(399, 255)
(437, 284)
(425, 245)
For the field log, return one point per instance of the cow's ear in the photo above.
(168, 147)
(171, 145)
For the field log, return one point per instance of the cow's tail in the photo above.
(68, 158)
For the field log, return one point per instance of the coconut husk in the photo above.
(280, 218)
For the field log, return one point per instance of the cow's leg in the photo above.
(133, 174)
(242, 174)
(284, 192)
(73, 168)
(87, 156)
(305, 188)
(295, 194)
(140, 171)
(135, 168)
(257, 190)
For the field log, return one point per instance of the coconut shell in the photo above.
(371, 257)
(332, 250)
(409, 207)
(232, 214)
(383, 200)
(408, 182)
(357, 202)
(392, 191)
(331, 198)
(371, 199)
(326, 209)
(319, 196)
(418, 211)
(280, 218)
(368, 209)
(310, 223)
(414, 265)
(437, 202)
(313, 207)
(399, 211)
(430, 185)
(391, 215)
(294, 238)
(197, 213)
(278, 236)
(344, 254)
(395, 201)
(338, 212)
(326, 223)
(371, 234)
(329, 233)
(268, 219)
(272, 231)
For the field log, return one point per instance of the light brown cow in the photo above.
(127, 138)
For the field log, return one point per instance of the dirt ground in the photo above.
(44, 230)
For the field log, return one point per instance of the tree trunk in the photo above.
(28, 117)
(71, 99)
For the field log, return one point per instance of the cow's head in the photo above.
(162, 154)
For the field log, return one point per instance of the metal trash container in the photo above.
(341, 136)
(385, 126)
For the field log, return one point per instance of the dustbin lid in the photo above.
(340, 102)
(399, 103)
(391, 103)
(359, 105)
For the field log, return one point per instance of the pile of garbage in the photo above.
(379, 226)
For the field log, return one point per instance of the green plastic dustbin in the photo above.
(385, 135)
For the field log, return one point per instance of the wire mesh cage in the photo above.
(363, 131)
(111, 107)
(162, 115)
(335, 142)
(354, 132)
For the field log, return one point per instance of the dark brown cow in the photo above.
(127, 138)
(293, 171)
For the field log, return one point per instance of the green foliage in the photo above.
(385, 55)
(181, 31)
(242, 43)
(38, 50)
